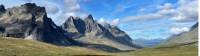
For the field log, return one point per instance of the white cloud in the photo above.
(187, 10)
(165, 11)
(69, 14)
(115, 22)
(73, 9)
(142, 17)
(178, 30)
(102, 21)
(72, 5)
(120, 7)
(51, 9)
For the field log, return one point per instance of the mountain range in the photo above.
(31, 22)
(26, 30)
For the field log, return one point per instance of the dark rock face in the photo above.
(121, 36)
(2, 9)
(91, 25)
(30, 21)
(74, 27)
(89, 31)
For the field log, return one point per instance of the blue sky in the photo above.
(146, 19)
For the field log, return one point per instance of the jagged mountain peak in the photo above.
(74, 25)
(92, 30)
(89, 18)
(33, 8)
(30, 21)
(29, 5)
(2, 8)
(72, 18)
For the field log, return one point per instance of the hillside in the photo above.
(21, 47)
(186, 38)
(186, 50)
(185, 44)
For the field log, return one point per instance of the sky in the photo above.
(140, 19)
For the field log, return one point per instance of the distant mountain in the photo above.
(30, 21)
(147, 43)
(89, 31)
(187, 38)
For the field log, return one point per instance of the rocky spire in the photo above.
(34, 9)
(74, 25)
(89, 18)
(2, 8)
(30, 21)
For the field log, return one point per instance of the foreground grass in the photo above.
(186, 50)
(20, 47)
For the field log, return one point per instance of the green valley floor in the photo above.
(20, 47)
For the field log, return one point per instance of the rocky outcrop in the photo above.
(30, 21)
(89, 31)
(2, 9)
(74, 27)
(122, 37)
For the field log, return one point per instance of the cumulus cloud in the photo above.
(141, 17)
(115, 22)
(72, 5)
(165, 11)
(102, 21)
(73, 8)
(178, 30)
(187, 10)
(51, 9)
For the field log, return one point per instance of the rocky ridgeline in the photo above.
(30, 21)
(89, 31)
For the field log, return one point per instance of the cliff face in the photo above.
(89, 31)
(30, 21)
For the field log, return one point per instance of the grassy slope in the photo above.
(167, 51)
(20, 47)
(184, 38)
(183, 45)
